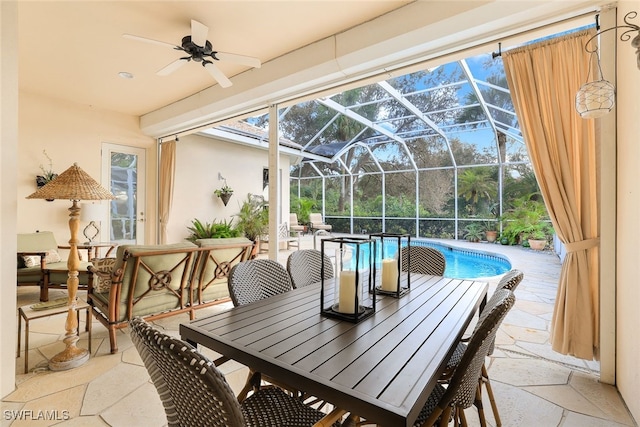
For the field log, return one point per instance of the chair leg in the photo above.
(478, 404)
(484, 378)
(250, 384)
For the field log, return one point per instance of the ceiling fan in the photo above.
(199, 49)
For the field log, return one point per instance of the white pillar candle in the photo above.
(389, 275)
(348, 291)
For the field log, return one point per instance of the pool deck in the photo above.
(533, 385)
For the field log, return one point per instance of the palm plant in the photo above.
(253, 218)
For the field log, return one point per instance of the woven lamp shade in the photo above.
(72, 184)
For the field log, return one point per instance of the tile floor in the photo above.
(533, 385)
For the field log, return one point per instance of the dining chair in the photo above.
(462, 389)
(304, 267)
(510, 280)
(252, 281)
(195, 393)
(257, 279)
(462, 346)
(424, 260)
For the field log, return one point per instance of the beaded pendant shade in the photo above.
(72, 184)
(596, 98)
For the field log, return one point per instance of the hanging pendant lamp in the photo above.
(595, 98)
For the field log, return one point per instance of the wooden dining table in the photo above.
(382, 368)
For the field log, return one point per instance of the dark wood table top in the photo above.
(382, 368)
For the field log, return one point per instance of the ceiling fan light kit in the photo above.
(199, 49)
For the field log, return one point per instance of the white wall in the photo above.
(8, 146)
(199, 159)
(628, 234)
(71, 133)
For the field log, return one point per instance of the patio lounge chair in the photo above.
(316, 223)
(294, 225)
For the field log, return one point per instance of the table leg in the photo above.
(26, 345)
(19, 330)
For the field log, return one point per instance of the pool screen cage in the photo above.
(435, 153)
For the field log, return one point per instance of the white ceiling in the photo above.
(74, 50)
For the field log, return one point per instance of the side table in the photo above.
(27, 313)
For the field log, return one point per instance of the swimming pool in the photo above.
(460, 263)
(466, 263)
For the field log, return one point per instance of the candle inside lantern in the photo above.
(348, 289)
(389, 275)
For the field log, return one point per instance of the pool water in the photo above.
(460, 263)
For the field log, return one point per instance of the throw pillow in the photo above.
(51, 256)
(102, 284)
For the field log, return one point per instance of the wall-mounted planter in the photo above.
(225, 198)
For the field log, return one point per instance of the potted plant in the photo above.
(490, 231)
(538, 236)
(253, 218)
(213, 230)
(224, 193)
(525, 221)
(473, 232)
(47, 173)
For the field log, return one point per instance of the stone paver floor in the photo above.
(533, 385)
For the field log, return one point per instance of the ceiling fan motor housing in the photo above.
(197, 52)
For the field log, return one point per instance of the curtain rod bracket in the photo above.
(494, 55)
(625, 36)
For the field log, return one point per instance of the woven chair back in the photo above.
(464, 382)
(193, 391)
(424, 260)
(510, 280)
(257, 279)
(304, 267)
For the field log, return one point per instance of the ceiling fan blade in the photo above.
(239, 59)
(199, 33)
(173, 66)
(217, 74)
(146, 40)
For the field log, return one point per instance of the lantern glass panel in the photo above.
(346, 295)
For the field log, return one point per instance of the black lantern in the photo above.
(389, 261)
(347, 295)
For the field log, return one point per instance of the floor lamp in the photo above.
(73, 184)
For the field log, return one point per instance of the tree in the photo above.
(476, 185)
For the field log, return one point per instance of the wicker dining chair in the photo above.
(424, 260)
(252, 281)
(509, 282)
(257, 279)
(304, 267)
(195, 393)
(463, 389)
